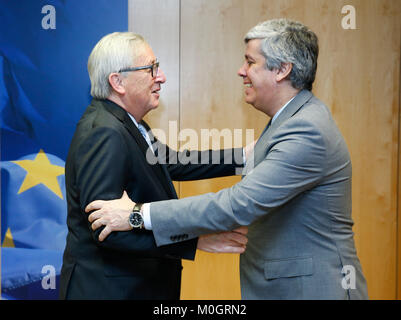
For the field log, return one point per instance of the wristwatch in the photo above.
(135, 219)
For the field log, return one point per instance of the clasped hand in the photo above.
(113, 215)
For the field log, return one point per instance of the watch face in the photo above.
(135, 219)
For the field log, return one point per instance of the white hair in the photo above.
(115, 51)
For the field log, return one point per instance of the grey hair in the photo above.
(286, 41)
(112, 53)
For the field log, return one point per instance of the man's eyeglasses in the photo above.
(153, 67)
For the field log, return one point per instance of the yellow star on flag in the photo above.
(40, 170)
(8, 241)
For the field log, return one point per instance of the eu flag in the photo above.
(44, 89)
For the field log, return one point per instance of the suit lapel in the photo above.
(300, 99)
(122, 115)
(260, 148)
(157, 169)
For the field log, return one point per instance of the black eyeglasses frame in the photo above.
(154, 67)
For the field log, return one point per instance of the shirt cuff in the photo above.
(243, 156)
(147, 223)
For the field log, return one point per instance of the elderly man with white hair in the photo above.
(109, 154)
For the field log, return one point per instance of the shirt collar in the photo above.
(281, 109)
(133, 119)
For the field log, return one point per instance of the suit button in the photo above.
(185, 236)
(173, 238)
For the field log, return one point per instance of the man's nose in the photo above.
(242, 71)
(160, 77)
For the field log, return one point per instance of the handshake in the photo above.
(114, 216)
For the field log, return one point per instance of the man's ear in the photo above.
(116, 83)
(284, 71)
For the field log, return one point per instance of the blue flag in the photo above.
(44, 90)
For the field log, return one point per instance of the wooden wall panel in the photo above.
(358, 77)
(399, 194)
(158, 21)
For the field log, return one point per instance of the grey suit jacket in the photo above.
(297, 204)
